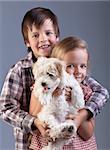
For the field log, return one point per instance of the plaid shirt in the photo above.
(15, 99)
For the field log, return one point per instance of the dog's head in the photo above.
(47, 73)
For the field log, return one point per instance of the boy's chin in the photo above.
(45, 55)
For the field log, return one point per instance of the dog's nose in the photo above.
(70, 129)
(43, 84)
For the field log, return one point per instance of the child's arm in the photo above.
(85, 126)
(35, 105)
(86, 129)
(34, 109)
(94, 104)
(98, 98)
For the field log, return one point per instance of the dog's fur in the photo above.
(49, 74)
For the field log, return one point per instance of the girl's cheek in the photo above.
(70, 71)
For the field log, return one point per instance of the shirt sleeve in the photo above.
(98, 98)
(10, 102)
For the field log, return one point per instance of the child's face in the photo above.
(42, 40)
(76, 62)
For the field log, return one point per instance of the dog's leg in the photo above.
(63, 130)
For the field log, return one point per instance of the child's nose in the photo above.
(42, 38)
(77, 70)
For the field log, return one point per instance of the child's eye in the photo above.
(83, 66)
(50, 75)
(35, 36)
(49, 33)
(71, 66)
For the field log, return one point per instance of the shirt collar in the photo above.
(28, 61)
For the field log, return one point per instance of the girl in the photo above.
(74, 52)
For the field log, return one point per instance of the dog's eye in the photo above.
(50, 75)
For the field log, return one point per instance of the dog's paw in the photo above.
(53, 135)
(68, 130)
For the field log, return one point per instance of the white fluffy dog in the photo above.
(49, 73)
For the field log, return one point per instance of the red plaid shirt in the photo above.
(76, 143)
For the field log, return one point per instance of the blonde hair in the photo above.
(68, 44)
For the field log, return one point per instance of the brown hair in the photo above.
(38, 16)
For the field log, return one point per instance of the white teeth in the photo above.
(44, 46)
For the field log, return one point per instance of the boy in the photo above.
(41, 32)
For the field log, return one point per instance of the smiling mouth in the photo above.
(78, 78)
(44, 46)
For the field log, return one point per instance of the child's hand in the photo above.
(42, 127)
(68, 93)
(57, 92)
(76, 118)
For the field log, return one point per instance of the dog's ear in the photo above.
(59, 67)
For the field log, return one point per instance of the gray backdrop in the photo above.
(89, 20)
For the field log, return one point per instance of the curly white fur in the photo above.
(49, 73)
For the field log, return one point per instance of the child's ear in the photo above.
(27, 43)
(57, 39)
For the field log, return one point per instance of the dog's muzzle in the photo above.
(70, 129)
(44, 85)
